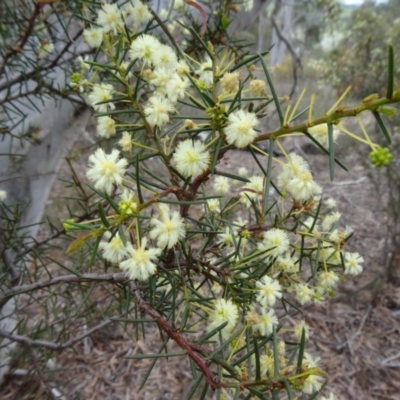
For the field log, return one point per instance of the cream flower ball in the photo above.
(191, 158)
(240, 130)
(106, 169)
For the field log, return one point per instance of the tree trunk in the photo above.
(283, 18)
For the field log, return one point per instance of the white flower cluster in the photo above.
(140, 262)
(169, 230)
(167, 77)
(106, 170)
(240, 130)
(224, 311)
(320, 133)
(111, 18)
(277, 247)
(252, 191)
(296, 178)
(191, 158)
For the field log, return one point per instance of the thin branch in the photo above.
(202, 13)
(338, 114)
(181, 341)
(218, 271)
(51, 345)
(12, 269)
(172, 189)
(256, 228)
(286, 41)
(167, 32)
(110, 278)
(54, 63)
(19, 47)
(292, 52)
(38, 91)
(191, 348)
(60, 232)
(32, 74)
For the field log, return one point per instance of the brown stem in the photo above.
(191, 348)
(256, 228)
(202, 13)
(167, 32)
(172, 189)
(77, 181)
(219, 271)
(292, 52)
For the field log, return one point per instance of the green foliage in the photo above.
(359, 59)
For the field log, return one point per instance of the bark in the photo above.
(282, 21)
(261, 32)
(245, 19)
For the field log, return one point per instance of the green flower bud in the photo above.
(371, 97)
(68, 226)
(224, 21)
(127, 207)
(210, 47)
(381, 157)
(76, 78)
(235, 343)
(245, 234)
(217, 115)
(201, 85)
(388, 111)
